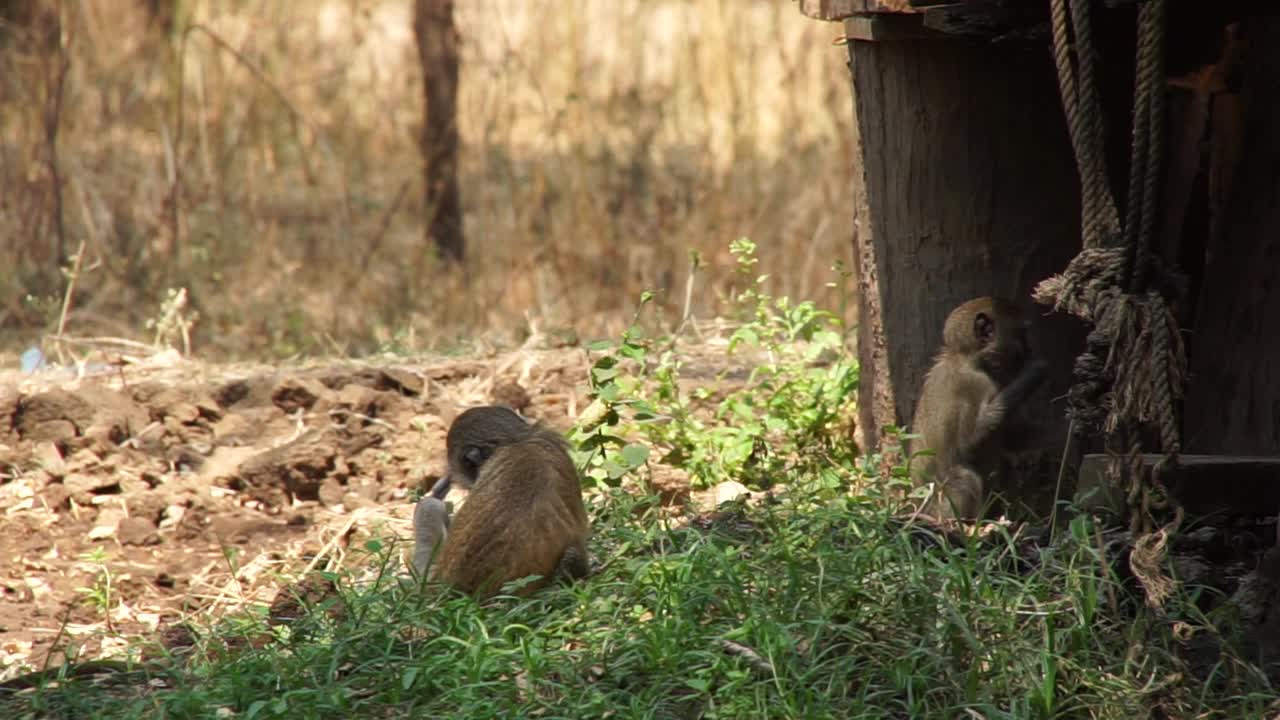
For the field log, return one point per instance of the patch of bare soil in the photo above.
(206, 486)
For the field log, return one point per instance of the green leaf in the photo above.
(635, 455)
(746, 335)
(632, 352)
(411, 674)
(601, 374)
(699, 684)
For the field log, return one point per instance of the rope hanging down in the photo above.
(1132, 370)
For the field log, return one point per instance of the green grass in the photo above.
(843, 612)
(852, 618)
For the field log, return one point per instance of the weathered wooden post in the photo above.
(967, 186)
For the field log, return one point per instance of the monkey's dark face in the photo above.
(474, 436)
(1005, 348)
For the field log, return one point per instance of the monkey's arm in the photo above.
(992, 414)
(1023, 431)
(430, 529)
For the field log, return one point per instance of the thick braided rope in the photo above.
(1146, 158)
(1066, 77)
(1137, 159)
(1098, 216)
(1106, 218)
(1133, 367)
(1151, 26)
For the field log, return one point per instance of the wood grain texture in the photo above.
(841, 9)
(970, 190)
(1233, 396)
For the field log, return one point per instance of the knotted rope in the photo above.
(1133, 368)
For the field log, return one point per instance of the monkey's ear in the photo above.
(983, 327)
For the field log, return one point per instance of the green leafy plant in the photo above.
(793, 411)
(815, 604)
(99, 594)
(602, 451)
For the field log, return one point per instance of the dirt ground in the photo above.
(209, 487)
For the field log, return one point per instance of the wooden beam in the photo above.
(887, 27)
(842, 9)
(990, 20)
(1204, 484)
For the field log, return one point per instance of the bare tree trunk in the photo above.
(438, 50)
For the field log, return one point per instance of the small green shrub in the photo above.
(793, 413)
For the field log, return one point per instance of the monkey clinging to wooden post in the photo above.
(523, 515)
(968, 411)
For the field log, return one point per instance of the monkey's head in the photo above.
(993, 331)
(473, 437)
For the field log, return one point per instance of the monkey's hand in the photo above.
(994, 412)
(430, 529)
(574, 564)
(441, 488)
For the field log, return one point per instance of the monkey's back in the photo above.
(946, 412)
(524, 511)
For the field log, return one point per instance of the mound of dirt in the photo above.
(201, 485)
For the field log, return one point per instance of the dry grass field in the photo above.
(266, 161)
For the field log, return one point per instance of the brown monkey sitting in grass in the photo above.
(523, 514)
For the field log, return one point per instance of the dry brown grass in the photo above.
(603, 141)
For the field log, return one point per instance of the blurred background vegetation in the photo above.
(264, 156)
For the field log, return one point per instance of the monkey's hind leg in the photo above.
(960, 494)
(430, 529)
(574, 564)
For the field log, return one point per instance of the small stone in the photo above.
(358, 398)
(231, 393)
(54, 496)
(82, 460)
(671, 488)
(106, 524)
(184, 412)
(402, 381)
(83, 487)
(232, 428)
(104, 437)
(172, 515)
(208, 409)
(293, 394)
(137, 531)
(511, 394)
(146, 503)
(332, 492)
(49, 458)
(728, 491)
(367, 488)
(57, 431)
(353, 500)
